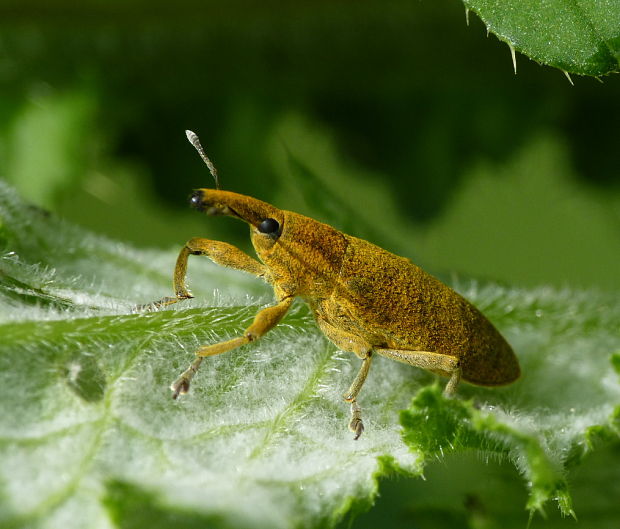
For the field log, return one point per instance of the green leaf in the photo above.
(577, 37)
(89, 435)
(467, 490)
(88, 430)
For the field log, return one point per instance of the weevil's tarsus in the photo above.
(195, 141)
(467, 15)
(356, 425)
(159, 304)
(181, 385)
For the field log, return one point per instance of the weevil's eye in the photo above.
(269, 226)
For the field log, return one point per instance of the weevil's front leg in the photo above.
(220, 253)
(436, 362)
(265, 320)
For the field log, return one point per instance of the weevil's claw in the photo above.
(356, 425)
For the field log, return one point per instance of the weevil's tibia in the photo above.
(357, 384)
(452, 384)
(265, 320)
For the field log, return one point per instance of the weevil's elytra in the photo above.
(365, 299)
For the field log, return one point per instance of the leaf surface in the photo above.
(89, 436)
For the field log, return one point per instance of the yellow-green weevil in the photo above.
(365, 299)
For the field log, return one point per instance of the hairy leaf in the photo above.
(89, 436)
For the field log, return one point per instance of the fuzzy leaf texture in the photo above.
(577, 36)
(89, 436)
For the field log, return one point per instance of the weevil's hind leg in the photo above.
(436, 362)
(356, 425)
(220, 253)
(265, 320)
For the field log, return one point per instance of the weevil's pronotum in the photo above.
(365, 299)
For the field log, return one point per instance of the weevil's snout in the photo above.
(199, 201)
(219, 202)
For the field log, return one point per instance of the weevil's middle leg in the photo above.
(265, 320)
(356, 425)
(350, 342)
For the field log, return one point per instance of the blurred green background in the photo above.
(392, 120)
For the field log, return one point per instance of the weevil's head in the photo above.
(300, 252)
(265, 221)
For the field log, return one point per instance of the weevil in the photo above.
(365, 299)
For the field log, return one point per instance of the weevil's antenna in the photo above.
(193, 139)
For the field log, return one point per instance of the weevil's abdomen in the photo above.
(397, 305)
